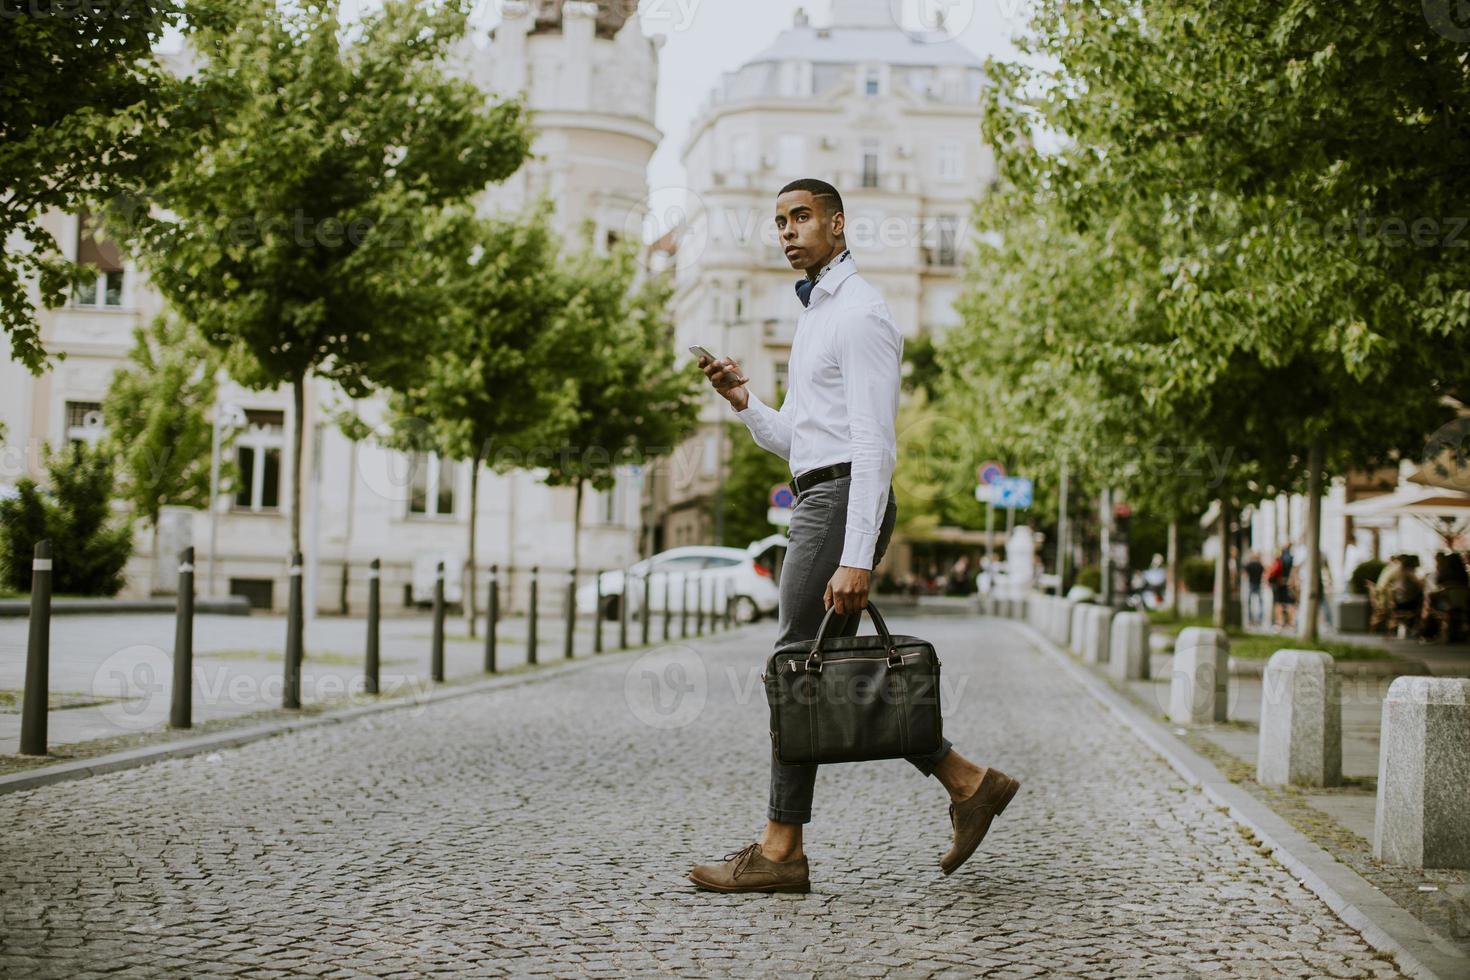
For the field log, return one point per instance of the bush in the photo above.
(1089, 577)
(88, 554)
(1367, 571)
(1198, 574)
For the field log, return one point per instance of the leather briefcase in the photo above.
(854, 698)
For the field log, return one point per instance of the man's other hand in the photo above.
(848, 589)
(726, 378)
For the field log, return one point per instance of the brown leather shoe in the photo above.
(748, 870)
(971, 816)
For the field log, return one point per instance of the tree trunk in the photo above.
(157, 585)
(472, 586)
(1171, 577)
(577, 529)
(1222, 568)
(1105, 547)
(298, 425)
(1312, 580)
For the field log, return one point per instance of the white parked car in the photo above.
(744, 576)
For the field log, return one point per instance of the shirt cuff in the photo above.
(858, 548)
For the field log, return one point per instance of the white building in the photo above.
(892, 119)
(589, 74)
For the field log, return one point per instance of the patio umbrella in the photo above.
(1444, 511)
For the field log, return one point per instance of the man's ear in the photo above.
(839, 222)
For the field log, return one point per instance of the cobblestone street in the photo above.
(548, 827)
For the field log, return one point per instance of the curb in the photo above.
(1385, 925)
(183, 748)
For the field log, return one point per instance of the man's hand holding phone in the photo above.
(725, 377)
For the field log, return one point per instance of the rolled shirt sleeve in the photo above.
(770, 429)
(870, 353)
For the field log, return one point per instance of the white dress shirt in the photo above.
(841, 400)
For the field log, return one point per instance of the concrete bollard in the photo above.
(1077, 629)
(1128, 647)
(1301, 721)
(1097, 627)
(1063, 636)
(1423, 816)
(1198, 692)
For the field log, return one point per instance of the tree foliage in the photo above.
(85, 103)
(318, 170)
(89, 547)
(159, 427)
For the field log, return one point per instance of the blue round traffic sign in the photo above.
(781, 496)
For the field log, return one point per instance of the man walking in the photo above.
(836, 429)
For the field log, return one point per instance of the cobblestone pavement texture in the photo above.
(547, 829)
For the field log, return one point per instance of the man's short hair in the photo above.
(817, 188)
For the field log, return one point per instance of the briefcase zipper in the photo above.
(791, 664)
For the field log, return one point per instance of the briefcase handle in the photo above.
(814, 659)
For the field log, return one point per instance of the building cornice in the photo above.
(630, 126)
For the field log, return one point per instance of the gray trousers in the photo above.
(818, 529)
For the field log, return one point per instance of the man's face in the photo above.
(808, 231)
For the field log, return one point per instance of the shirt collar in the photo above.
(833, 273)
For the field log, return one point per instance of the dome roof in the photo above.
(611, 15)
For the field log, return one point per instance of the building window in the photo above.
(84, 424)
(950, 160)
(431, 492)
(871, 82)
(711, 452)
(258, 458)
(610, 505)
(782, 375)
(101, 274)
(947, 230)
(743, 152)
(742, 288)
(870, 163)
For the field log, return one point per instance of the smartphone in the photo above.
(699, 351)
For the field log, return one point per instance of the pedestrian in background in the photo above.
(837, 431)
(1254, 602)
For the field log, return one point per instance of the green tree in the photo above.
(751, 473)
(299, 228)
(633, 402)
(90, 549)
(159, 427)
(83, 96)
(1208, 152)
(499, 380)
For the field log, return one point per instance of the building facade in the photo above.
(892, 119)
(590, 75)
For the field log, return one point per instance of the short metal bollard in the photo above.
(597, 611)
(181, 709)
(531, 622)
(623, 608)
(646, 611)
(699, 607)
(568, 647)
(668, 604)
(371, 668)
(38, 655)
(684, 608)
(492, 619)
(295, 626)
(436, 653)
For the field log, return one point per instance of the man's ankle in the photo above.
(772, 852)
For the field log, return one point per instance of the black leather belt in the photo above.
(802, 483)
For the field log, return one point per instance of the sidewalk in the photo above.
(111, 676)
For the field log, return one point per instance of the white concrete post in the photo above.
(1423, 817)
(1197, 691)
(1128, 649)
(1097, 628)
(1301, 721)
